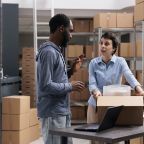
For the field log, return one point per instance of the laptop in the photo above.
(108, 121)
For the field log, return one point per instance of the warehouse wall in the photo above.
(64, 4)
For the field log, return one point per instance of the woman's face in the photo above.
(106, 47)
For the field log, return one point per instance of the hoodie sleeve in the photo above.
(46, 64)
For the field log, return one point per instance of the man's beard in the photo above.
(65, 40)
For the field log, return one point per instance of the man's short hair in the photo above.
(57, 21)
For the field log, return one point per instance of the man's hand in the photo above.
(77, 63)
(77, 85)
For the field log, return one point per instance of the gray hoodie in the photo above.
(52, 82)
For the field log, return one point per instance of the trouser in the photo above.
(56, 122)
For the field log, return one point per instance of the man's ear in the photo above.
(61, 28)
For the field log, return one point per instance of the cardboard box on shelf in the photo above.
(28, 63)
(75, 96)
(15, 122)
(89, 51)
(81, 25)
(84, 95)
(33, 119)
(28, 53)
(34, 132)
(15, 104)
(139, 1)
(138, 48)
(28, 83)
(74, 50)
(125, 20)
(16, 137)
(78, 75)
(139, 76)
(28, 70)
(91, 25)
(139, 12)
(124, 49)
(28, 77)
(105, 20)
(78, 112)
(84, 74)
(132, 112)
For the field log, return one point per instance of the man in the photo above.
(53, 87)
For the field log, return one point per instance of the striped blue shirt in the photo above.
(102, 74)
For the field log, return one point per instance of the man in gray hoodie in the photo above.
(53, 87)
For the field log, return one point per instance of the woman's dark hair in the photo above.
(112, 37)
(57, 21)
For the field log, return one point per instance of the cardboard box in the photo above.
(84, 74)
(81, 25)
(139, 76)
(15, 104)
(15, 122)
(75, 50)
(16, 137)
(139, 12)
(138, 48)
(34, 133)
(131, 114)
(84, 95)
(89, 51)
(91, 26)
(28, 76)
(139, 1)
(33, 119)
(75, 96)
(125, 20)
(125, 49)
(105, 20)
(78, 112)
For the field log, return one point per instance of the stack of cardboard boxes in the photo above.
(83, 25)
(79, 99)
(116, 20)
(139, 10)
(19, 122)
(113, 20)
(28, 74)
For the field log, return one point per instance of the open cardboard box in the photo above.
(132, 112)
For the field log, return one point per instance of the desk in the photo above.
(113, 135)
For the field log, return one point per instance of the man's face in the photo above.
(67, 35)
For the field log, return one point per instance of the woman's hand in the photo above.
(139, 91)
(96, 94)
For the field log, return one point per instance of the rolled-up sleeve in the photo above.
(128, 74)
(92, 101)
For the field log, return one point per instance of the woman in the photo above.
(107, 70)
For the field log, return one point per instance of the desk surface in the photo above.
(113, 135)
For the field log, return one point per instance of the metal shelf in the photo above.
(139, 26)
(117, 30)
(82, 33)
